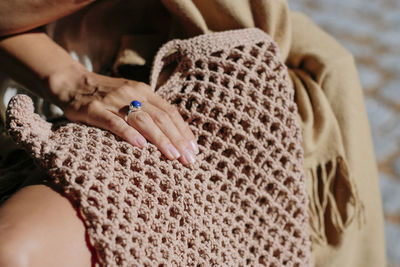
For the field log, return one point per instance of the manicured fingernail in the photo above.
(189, 156)
(141, 141)
(194, 147)
(173, 152)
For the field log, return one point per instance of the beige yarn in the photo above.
(242, 203)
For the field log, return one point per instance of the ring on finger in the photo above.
(134, 106)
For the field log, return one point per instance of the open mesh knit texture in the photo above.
(244, 200)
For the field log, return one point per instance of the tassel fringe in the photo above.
(334, 202)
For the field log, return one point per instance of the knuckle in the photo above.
(127, 131)
(141, 117)
(172, 110)
(112, 123)
(143, 86)
(126, 89)
(93, 106)
(161, 117)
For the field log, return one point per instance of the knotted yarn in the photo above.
(243, 202)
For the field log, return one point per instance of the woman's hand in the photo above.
(103, 102)
(44, 67)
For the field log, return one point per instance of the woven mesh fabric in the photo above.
(244, 200)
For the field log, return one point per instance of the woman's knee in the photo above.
(14, 246)
(39, 227)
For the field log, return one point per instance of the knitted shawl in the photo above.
(243, 202)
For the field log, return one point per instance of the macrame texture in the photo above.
(243, 202)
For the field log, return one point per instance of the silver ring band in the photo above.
(134, 106)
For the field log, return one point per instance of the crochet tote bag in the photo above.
(244, 200)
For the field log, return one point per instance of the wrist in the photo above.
(62, 85)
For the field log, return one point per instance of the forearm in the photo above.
(34, 59)
(17, 16)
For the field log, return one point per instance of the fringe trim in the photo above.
(334, 202)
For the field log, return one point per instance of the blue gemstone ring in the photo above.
(134, 106)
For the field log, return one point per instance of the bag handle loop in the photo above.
(159, 62)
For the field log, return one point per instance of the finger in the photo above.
(142, 122)
(164, 122)
(177, 119)
(100, 117)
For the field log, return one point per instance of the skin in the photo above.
(47, 69)
(38, 227)
(17, 16)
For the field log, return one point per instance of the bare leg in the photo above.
(39, 227)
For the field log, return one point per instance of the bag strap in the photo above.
(204, 44)
(159, 61)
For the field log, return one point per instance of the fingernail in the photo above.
(173, 152)
(189, 156)
(141, 141)
(194, 147)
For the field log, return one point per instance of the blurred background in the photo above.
(371, 31)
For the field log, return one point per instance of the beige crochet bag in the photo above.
(244, 200)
